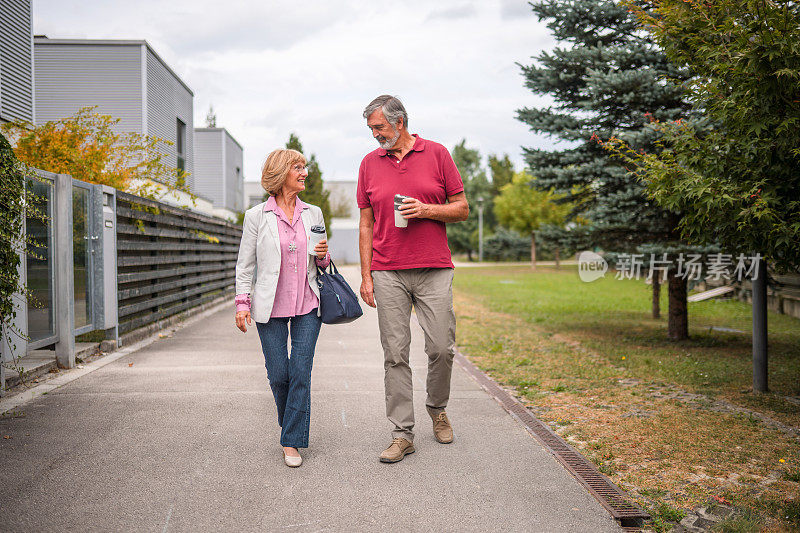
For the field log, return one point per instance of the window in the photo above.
(180, 145)
(39, 265)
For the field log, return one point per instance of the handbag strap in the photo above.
(331, 266)
(321, 273)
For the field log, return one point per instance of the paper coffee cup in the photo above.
(317, 234)
(399, 221)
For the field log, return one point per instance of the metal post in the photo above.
(480, 229)
(64, 266)
(759, 283)
(107, 261)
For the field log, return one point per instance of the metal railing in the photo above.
(114, 262)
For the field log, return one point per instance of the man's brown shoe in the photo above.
(399, 448)
(442, 430)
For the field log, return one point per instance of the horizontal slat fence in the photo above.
(169, 260)
(783, 292)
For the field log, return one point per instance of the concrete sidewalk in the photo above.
(182, 435)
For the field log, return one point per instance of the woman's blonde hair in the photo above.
(276, 168)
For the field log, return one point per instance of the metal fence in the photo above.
(114, 262)
(169, 259)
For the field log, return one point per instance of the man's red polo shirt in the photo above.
(426, 173)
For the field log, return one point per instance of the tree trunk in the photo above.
(558, 258)
(678, 325)
(656, 296)
(469, 255)
(533, 250)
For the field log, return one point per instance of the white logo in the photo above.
(591, 266)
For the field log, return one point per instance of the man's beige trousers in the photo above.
(430, 291)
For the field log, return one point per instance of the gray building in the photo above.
(16, 103)
(16, 61)
(253, 193)
(124, 79)
(218, 162)
(343, 198)
(344, 223)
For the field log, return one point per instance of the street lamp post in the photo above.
(759, 285)
(480, 228)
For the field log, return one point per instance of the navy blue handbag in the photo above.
(337, 301)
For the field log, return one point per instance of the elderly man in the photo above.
(407, 262)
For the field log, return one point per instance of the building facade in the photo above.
(218, 163)
(16, 103)
(344, 223)
(16, 61)
(253, 194)
(124, 79)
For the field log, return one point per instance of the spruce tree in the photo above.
(607, 78)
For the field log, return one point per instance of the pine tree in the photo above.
(315, 193)
(608, 79)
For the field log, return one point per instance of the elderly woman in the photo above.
(285, 296)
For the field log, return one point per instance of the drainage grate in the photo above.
(609, 495)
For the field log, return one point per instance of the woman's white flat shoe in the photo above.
(293, 462)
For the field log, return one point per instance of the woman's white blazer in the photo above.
(259, 262)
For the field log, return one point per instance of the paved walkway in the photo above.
(182, 436)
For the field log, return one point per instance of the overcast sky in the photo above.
(276, 67)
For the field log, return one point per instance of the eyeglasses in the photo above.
(299, 168)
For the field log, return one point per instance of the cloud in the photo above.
(191, 27)
(454, 13)
(311, 67)
(514, 9)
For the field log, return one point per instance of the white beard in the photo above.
(388, 144)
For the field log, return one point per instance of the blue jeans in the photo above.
(290, 377)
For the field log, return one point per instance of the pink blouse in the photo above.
(293, 295)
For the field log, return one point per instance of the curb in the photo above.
(627, 514)
(42, 369)
(145, 332)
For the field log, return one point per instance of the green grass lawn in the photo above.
(613, 318)
(589, 359)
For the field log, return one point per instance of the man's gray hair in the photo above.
(392, 109)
